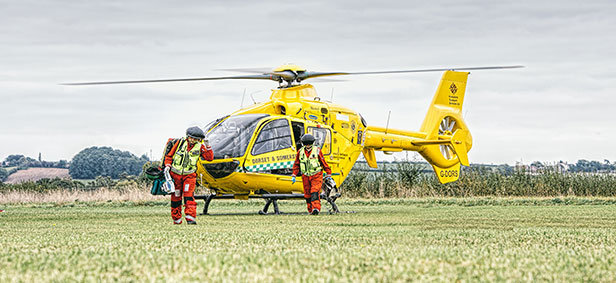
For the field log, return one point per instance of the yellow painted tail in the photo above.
(444, 122)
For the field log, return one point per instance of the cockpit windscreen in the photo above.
(231, 137)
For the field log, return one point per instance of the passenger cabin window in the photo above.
(275, 135)
(323, 139)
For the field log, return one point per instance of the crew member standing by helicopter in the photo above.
(311, 162)
(181, 160)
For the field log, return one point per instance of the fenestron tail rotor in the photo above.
(289, 74)
(446, 127)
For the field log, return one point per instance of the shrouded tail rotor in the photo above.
(446, 128)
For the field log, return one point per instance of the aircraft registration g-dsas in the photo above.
(255, 147)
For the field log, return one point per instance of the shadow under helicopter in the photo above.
(280, 213)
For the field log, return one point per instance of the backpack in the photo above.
(154, 172)
(168, 146)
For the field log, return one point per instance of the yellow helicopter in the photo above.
(255, 147)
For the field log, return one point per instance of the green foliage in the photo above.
(583, 165)
(23, 162)
(406, 179)
(3, 174)
(443, 240)
(43, 185)
(103, 181)
(105, 161)
(57, 184)
(17, 160)
(123, 183)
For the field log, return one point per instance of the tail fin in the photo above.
(444, 122)
(448, 99)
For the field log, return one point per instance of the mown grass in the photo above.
(485, 239)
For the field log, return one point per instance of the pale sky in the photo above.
(558, 108)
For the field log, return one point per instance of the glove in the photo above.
(206, 143)
(292, 180)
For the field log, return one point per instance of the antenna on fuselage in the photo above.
(387, 127)
(332, 97)
(253, 98)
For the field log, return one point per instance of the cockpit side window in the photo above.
(275, 135)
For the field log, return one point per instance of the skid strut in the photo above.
(267, 204)
(208, 199)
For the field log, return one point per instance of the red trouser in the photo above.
(312, 186)
(184, 186)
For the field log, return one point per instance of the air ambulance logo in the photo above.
(453, 88)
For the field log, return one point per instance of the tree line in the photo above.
(89, 163)
(105, 161)
(21, 161)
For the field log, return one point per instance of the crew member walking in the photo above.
(311, 162)
(182, 163)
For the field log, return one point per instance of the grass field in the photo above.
(385, 240)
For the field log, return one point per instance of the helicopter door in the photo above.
(272, 151)
(323, 139)
(298, 132)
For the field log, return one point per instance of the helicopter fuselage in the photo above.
(255, 147)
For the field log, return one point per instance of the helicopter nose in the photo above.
(221, 169)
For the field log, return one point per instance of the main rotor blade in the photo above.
(308, 75)
(324, 80)
(249, 70)
(248, 77)
(437, 70)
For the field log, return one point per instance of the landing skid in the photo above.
(269, 200)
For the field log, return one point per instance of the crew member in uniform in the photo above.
(182, 163)
(311, 162)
